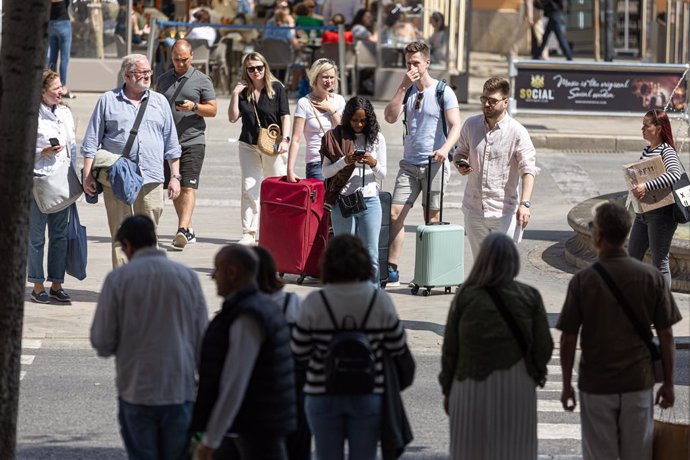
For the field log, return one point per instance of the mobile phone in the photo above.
(180, 102)
(359, 152)
(462, 163)
(54, 142)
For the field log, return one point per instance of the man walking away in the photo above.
(616, 376)
(151, 315)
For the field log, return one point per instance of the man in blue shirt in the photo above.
(156, 141)
(424, 139)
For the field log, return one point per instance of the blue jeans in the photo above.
(57, 245)
(313, 170)
(155, 432)
(335, 418)
(556, 25)
(366, 225)
(654, 230)
(59, 40)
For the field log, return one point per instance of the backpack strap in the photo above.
(404, 105)
(330, 310)
(440, 90)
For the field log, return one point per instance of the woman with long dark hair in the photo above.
(354, 163)
(259, 99)
(348, 300)
(488, 383)
(654, 229)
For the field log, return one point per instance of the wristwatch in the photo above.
(176, 176)
(526, 204)
(195, 107)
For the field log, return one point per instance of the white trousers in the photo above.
(617, 426)
(256, 166)
(478, 227)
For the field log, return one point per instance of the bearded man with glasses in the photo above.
(156, 141)
(497, 155)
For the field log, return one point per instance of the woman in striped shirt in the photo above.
(347, 293)
(654, 229)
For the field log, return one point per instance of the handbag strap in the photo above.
(135, 128)
(258, 121)
(316, 114)
(509, 320)
(644, 332)
(330, 310)
(173, 98)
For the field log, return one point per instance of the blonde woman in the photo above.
(258, 95)
(316, 113)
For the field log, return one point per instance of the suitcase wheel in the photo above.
(426, 292)
(415, 290)
(383, 284)
(447, 290)
(300, 280)
(281, 275)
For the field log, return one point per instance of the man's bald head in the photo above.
(182, 45)
(236, 267)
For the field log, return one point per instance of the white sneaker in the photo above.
(247, 240)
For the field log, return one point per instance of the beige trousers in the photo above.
(149, 203)
(255, 167)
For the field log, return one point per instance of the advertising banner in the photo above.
(596, 87)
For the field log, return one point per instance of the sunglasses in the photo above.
(325, 61)
(492, 102)
(258, 68)
(418, 102)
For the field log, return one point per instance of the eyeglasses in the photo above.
(418, 102)
(142, 73)
(492, 102)
(258, 68)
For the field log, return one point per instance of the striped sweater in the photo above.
(314, 330)
(671, 164)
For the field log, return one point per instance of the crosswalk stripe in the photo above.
(558, 431)
(31, 343)
(27, 359)
(552, 405)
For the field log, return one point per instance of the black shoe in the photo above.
(180, 240)
(40, 297)
(60, 295)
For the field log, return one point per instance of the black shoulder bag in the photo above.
(517, 333)
(644, 332)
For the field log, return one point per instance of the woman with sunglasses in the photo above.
(316, 114)
(260, 100)
(654, 229)
(354, 162)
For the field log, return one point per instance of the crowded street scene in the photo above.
(364, 229)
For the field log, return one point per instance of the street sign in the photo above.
(598, 88)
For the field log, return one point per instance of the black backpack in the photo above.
(350, 364)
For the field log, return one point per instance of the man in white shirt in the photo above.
(496, 153)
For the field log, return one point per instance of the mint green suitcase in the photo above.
(439, 253)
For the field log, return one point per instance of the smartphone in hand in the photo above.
(359, 153)
(54, 142)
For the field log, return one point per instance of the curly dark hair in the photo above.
(346, 260)
(371, 129)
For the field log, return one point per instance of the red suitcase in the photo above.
(293, 225)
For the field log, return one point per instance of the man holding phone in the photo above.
(496, 153)
(192, 98)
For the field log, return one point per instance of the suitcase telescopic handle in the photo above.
(428, 192)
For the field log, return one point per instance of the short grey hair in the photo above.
(129, 61)
(497, 264)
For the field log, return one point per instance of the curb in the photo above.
(580, 142)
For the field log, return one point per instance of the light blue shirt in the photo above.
(113, 118)
(425, 130)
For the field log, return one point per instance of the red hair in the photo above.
(660, 119)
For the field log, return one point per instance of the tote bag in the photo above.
(57, 191)
(77, 252)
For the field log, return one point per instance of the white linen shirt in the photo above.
(499, 157)
(58, 124)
